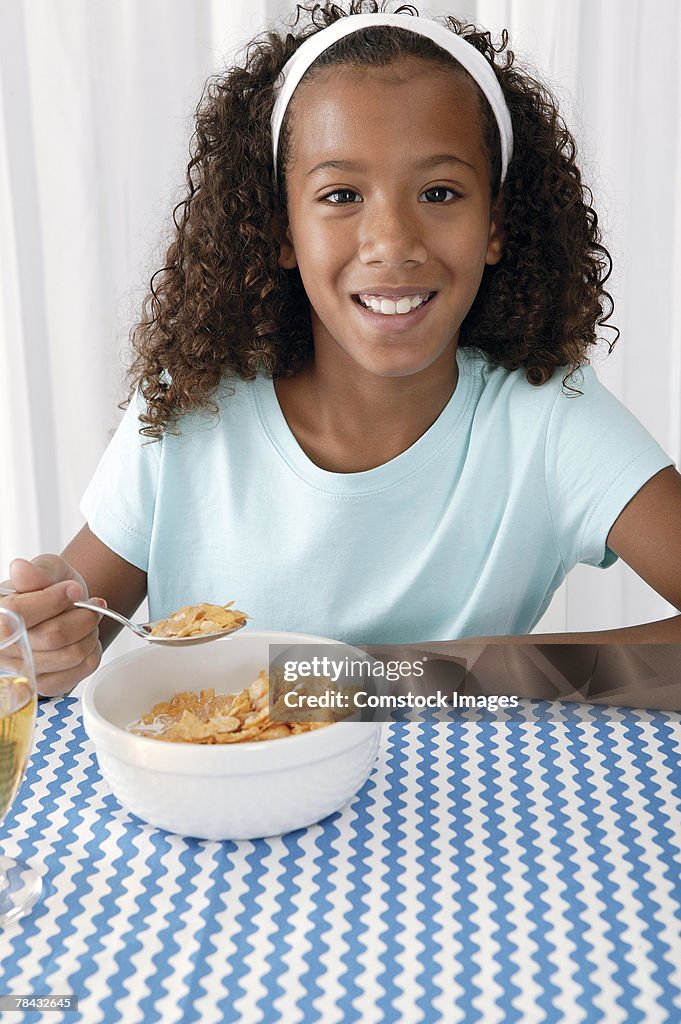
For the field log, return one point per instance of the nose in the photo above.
(391, 235)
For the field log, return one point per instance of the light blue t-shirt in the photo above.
(467, 533)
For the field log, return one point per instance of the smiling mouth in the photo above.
(392, 306)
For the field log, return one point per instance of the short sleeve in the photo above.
(119, 501)
(598, 455)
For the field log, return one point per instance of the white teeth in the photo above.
(390, 307)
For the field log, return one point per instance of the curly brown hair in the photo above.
(223, 307)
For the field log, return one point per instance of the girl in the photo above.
(360, 403)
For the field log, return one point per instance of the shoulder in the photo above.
(574, 417)
(507, 395)
(492, 378)
(568, 393)
(229, 403)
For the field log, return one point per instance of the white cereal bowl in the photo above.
(232, 791)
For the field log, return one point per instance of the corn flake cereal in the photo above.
(194, 619)
(222, 718)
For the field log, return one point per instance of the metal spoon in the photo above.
(143, 629)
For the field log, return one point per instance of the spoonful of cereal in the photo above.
(193, 624)
(190, 625)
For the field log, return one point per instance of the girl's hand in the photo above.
(64, 639)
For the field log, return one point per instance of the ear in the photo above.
(282, 233)
(495, 243)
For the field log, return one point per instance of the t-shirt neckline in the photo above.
(411, 461)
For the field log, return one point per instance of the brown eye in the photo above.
(342, 196)
(439, 194)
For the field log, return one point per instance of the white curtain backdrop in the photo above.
(96, 103)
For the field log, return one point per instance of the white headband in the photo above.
(465, 53)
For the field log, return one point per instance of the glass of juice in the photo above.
(20, 885)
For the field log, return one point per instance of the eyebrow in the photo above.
(350, 165)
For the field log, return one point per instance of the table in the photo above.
(525, 868)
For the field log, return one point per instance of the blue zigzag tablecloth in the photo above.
(522, 869)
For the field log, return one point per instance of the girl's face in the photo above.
(389, 209)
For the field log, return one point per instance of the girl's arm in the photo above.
(647, 536)
(67, 642)
(122, 585)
